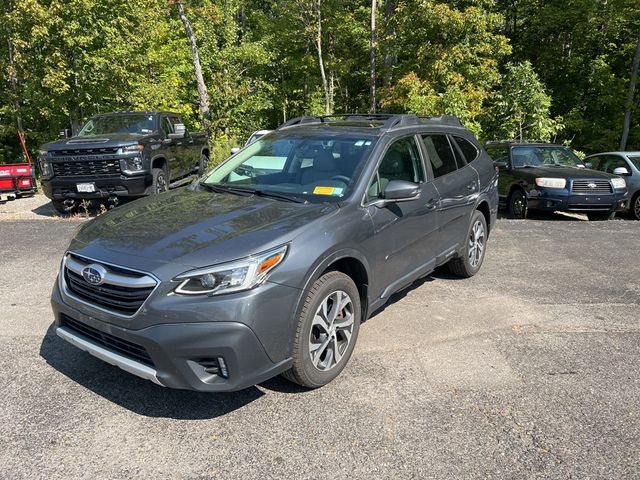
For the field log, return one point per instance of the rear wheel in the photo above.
(634, 206)
(600, 216)
(327, 331)
(472, 257)
(517, 205)
(160, 181)
(203, 164)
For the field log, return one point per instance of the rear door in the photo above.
(184, 149)
(457, 184)
(404, 237)
(169, 148)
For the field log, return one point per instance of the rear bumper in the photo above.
(169, 354)
(59, 188)
(564, 200)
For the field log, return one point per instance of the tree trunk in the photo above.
(13, 81)
(372, 48)
(323, 75)
(629, 103)
(389, 58)
(203, 94)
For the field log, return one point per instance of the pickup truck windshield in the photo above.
(133, 124)
(317, 168)
(542, 156)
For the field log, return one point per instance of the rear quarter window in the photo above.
(468, 149)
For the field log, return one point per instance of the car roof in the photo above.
(136, 112)
(615, 153)
(513, 143)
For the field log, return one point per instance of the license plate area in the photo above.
(86, 187)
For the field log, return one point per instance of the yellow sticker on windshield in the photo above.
(324, 190)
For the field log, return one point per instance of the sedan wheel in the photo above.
(635, 207)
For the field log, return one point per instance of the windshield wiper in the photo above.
(279, 196)
(253, 191)
(224, 189)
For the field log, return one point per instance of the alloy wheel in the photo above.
(476, 243)
(161, 184)
(331, 330)
(636, 207)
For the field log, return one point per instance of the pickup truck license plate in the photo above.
(86, 187)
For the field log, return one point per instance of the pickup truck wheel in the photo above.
(159, 182)
(600, 216)
(203, 164)
(468, 264)
(327, 331)
(65, 207)
(517, 205)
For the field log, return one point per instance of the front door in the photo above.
(404, 231)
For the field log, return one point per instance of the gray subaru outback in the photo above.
(269, 264)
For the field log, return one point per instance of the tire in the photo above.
(65, 208)
(517, 205)
(315, 368)
(203, 164)
(634, 206)
(600, 216)
(159, 182)
(475, 246)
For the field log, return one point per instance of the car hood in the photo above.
(195, 228)
(565, 172)
(95, 141)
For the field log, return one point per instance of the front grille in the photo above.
(85, 151)
(591, 186)
(108, 341)
(86, 168)
(125, 300)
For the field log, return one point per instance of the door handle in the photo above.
(472, 186)
(431, 204)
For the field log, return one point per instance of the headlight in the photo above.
(131, 165)
(551, 182)
(45, 167)
(231, 277)
(133, 148)
(42, 153)
(618, 183)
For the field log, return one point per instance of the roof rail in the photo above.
(300, 121)
(390, 120)
(449, 120)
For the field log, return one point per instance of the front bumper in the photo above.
(174, 350)
(61, 188)
(564, 200)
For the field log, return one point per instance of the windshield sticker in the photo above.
(327, 191)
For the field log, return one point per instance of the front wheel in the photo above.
(327, 331)
(517, 205)
(159, 182)
(65, 207)
(600, 216)
(634, 207)
(472, 257)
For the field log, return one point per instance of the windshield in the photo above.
(133, 124)
(635, 159)
(317, 168)
(541, 156)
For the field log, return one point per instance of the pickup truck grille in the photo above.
(86, 168)
(591, 186)
(85, 151)
(110, 342)
(122, 291)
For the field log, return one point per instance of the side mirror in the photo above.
(401, 191)
(587, 165)
(66, 133)
(621, 171)
(501, 165)
(179, 131)
(235, 150)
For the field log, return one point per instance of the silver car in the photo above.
(625, 164)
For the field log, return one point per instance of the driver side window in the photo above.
(400, 162)
(167, 128)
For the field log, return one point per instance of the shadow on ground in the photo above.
(142, 396)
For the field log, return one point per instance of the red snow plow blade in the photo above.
(17, 179)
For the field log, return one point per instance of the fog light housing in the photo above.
(214, 366)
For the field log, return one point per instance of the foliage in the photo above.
(499, 65)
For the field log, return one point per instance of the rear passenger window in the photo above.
(468, 149)
(440, 154)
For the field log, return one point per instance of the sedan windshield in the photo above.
(542, 156)
(133, 124)
(317, 168)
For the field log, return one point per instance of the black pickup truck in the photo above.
(121, 155)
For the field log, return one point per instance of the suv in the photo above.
(121, 155)
(543, 176)
(269, 264)
(626, 164)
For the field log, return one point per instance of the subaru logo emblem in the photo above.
(591, 185)
(94, 274)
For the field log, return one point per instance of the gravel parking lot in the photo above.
(528, 370)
